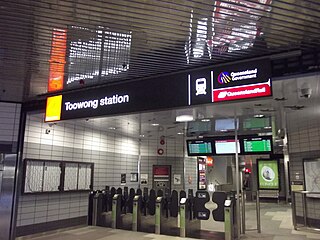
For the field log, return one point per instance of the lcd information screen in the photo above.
(199, 127)
(257, 145)
(268, 174)
(225, 124)
(256, 123)
(226, 146)
(199, 147)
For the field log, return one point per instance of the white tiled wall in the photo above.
(111, 153)
(72, 141)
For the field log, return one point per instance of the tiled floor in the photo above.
(276, 224)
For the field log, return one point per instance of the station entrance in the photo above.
(221, 175)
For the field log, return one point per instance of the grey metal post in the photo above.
(294, 213)
(304, 207)
(243, 203)
(258, 212)
(95, 210)
(136, 214)
(228, 220)
(237, 178)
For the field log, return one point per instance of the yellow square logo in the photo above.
(53, 108)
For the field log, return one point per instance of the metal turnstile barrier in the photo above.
(116, 211)
(97, 209)
(188, 224)
(230, 223)
(159, 216)
(136, 214)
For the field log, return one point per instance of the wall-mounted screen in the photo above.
(225, 124)
(268, 174)
(226, 146)
(199, 127)
(201, 147)
(256, 123)
(253, 145)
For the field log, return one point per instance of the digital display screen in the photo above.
(257, 144)
(225, 124)
(256, 123)
(202, 179)
(199, 127)
(268, 174)
(227, 146)
(199, 147)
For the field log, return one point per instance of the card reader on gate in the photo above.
(227, 203)
(136, 198)
(183, 201)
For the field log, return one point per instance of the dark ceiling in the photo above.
(124, 40)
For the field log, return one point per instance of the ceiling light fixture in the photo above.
(180, 133)
(185, 115)
(205, 120)
(141, 135)
(258, 116)
(111, 128)
(154, 124)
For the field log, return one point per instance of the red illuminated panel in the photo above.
(57, 60)
(242, 92)
(161, 171)
(209, 161)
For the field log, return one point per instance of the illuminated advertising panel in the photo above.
(57, 60)
(268, 174)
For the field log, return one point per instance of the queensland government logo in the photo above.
(224, 77)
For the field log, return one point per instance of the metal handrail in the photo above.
(304, 208)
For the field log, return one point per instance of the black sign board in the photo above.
(248, 80)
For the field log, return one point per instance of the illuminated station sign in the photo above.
(230, 82)
(246, 80)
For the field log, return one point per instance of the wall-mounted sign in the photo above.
(268, 174)
(133, 177)
(143, 178)
(176, 179)
(232, 82)
(123, 178)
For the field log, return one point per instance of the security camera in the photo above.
(306, 92)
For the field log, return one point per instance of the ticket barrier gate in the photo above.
(98, 213)
(147, 205)
(122, 210)
(188, 223)
(166, 219)
(230, 224)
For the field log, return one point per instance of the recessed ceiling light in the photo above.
(155, 124)
(180, 133)
(184, 118)
(205, 120)
(259, 116)
(111, 128)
